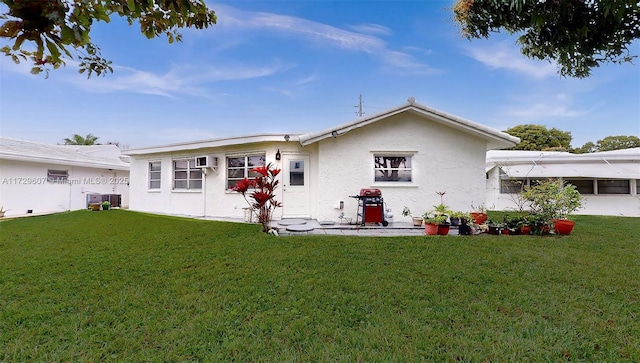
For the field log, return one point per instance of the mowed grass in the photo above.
(130, 287)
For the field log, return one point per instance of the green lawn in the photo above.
(130, 287)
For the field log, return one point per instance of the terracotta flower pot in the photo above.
(443, 229)
(479, 218)
(525, 230)
(563, 226)
(430, 229)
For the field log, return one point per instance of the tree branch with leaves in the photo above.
(58, 28)
(578, 35)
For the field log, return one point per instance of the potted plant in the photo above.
(437, 219)
(459, 218)
(494, 228)
(435, 223)
(479, 214)
(106, 205)
(516, 224)
(417, 221)
(552, 202)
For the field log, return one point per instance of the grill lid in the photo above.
(370, 192)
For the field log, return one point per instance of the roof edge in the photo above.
(495, 139)
(85, 164)
(211, 143)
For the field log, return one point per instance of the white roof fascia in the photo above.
(495, 138)
(37, 152)
(59, 161)
(574, 170)
(213, 143)
(625, 165)
(520, 156)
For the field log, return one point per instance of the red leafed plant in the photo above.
(262, 195)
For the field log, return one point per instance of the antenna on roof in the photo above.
(359, 106)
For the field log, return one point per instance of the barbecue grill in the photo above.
(370, 207)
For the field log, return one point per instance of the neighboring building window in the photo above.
(239, 167)
(155, 174)
(57, 176)
(512, 186)
(584, 186)
(614, 186)
(186, 175)
(392, 168)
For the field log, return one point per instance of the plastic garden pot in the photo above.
(430, 229)
(479, 218)
(563, 226)
(443, 229)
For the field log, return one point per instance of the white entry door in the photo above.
(295, 186)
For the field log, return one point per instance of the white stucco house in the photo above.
(409, 152)
(608, 181)
(38, 178)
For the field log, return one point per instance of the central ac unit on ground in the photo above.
(207, 161)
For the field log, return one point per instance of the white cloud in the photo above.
(188, 79)
(537, 108)
(541, 111)
(369, 28)
(306, 30)
(502, 55)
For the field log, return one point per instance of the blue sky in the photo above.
(300, 66)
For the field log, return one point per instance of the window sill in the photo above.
(393, 185)
(153, 190)
(188, 191)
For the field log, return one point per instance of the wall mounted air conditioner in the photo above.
(206, 161)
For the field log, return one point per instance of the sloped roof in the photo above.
(618, 164)
(98, 156)
(212, 143)
(495, 139)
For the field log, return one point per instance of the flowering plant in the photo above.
(263, 201)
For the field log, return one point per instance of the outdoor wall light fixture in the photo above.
(278, 156)
(334, 133)
(286, 137)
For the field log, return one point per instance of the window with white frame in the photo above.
(57, 176)
(186, 175)
(392, 168)
(155, 174)
(239, 167)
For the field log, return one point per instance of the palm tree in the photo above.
(79, 140)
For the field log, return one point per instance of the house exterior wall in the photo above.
(213, 200)
(604, 204)
(443, 160)
(24, 186)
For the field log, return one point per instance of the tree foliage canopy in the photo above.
(577, 34)
(55, 27)
(610, 143)
(538, 137)
(81, 140)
